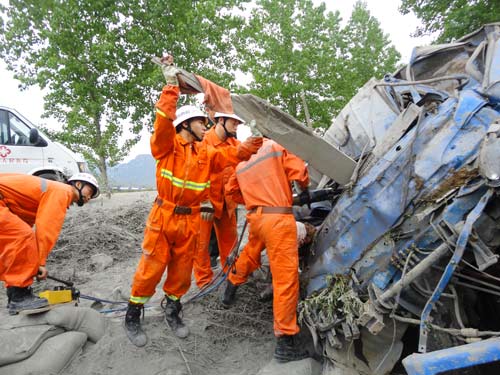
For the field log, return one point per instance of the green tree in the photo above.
(92, 57)
(366, 51)
(451, 19)
(293, 49)
(290, 48)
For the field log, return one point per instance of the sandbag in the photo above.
(71, 318)
(20, 343)
(52, 356)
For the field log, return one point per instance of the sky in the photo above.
(30, 102)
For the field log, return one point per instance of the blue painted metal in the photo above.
(450, 268)
(458, 357)
(425, 190)
(386, 191)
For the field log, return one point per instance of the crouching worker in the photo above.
(183, 168)
(26, 201)
(264, 185)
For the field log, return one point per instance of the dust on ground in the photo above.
(235, 341)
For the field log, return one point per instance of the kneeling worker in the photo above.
(26, 201)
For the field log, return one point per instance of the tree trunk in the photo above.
(104, 176)
(102, 159)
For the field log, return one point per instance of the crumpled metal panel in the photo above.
(426, 157)
(416, 217)
(363, 121)
(491, 83)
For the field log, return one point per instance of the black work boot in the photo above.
(288, 349)
(229, 295)
(172, 310)
(23, 299)
(132, 325)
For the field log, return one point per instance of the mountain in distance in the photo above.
(137, 173)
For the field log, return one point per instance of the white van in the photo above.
(24, 149)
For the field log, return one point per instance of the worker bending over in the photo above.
(26, 201)
(263, 184)
(221, 136)
(183, 170)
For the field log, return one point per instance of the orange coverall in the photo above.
(26, 201)
(224, 218)
(263, 182)
(182, 177)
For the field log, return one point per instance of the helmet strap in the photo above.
(188, 128)
(80, 200)
(228, 134)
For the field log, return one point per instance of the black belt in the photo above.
(271, 210)
(183, 210)
(180, 210)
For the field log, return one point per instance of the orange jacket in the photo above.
(38, 202)
(264, 180)
(218, 180)
(183, 168)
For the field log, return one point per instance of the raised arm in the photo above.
(162, 140)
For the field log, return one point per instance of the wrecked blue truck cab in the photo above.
(407, 259)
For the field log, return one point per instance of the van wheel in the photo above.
(51, 176)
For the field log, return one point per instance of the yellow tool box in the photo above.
(57, 296)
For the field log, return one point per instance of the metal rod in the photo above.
(68, 283)
(444, 360)
(457, 77)
(477, 288)
(415, 272)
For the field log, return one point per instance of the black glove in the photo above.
(304, 198)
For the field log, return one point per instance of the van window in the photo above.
(4, 128)
(13, 131)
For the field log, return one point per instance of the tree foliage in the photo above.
(366, 51)
(92, 57)
(451, 19)
(294, 48)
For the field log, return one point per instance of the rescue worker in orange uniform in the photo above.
(263, 184)
(220, 136)
(26, 201)
(183, 170)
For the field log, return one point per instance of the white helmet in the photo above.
(87, 178)
(228, 115)
(186, 112)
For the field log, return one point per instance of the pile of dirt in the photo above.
(116, 232)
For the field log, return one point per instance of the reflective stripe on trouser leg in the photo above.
(19, 259)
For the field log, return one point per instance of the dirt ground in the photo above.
(235, 341)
